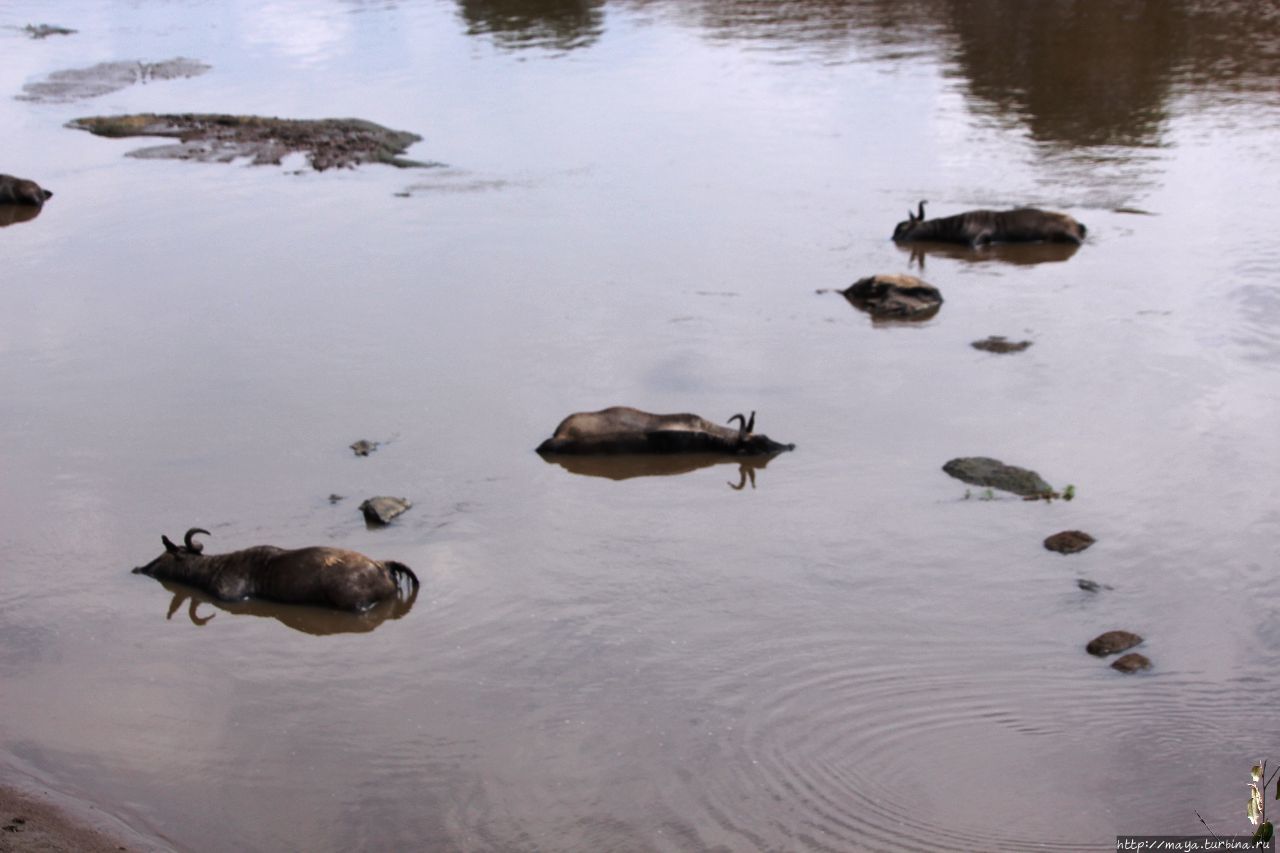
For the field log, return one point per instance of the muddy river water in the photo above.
(851, 651)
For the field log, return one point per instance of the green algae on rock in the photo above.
(212, 138)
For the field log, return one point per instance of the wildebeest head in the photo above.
(904, 229)
(178, 562)
(750, 443)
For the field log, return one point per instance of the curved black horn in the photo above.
(921, 217)
(742, 423)
(195, 547)
(751, 424)
(169, 546)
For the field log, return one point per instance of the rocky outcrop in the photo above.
(382, 509)
(1112, 642)
(1132, 662)
(1069, 541)
(994, 474)
(895, 297)
(1000, 344)
(330, 143)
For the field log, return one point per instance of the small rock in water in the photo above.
(998, 343)
(39, 31)
(1091, 586)
(381, 509)
(1112, 642)
(1132, 662)
(334, 498)
(984, 471)
(364, 448)
(1069, 541)
(895, 297)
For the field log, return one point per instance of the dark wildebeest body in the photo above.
(21, 191)
(980, 227)
(621, 429)
(328, 577)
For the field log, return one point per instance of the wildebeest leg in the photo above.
(178, 598)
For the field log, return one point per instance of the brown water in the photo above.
(642, 198)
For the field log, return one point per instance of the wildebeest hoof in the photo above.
(22, 191)
(1069, 541)
(382, 509)
(1112, 642)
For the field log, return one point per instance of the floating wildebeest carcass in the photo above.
(621, 429)
(328, 577)
(22, 191)
(980, 227)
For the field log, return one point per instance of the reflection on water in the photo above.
(1016, 254)
(318, 621)
(625, 466)
(658, 664)
(547, 24)
(14, 213)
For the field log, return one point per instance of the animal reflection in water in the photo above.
(1014, 254)
(327, 577)
(309, 620)
(627, 466)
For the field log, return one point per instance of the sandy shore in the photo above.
(33, 817)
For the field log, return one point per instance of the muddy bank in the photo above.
(35, 818)
(75, 84)
(212, 138)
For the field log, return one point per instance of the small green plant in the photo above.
(1069, 492)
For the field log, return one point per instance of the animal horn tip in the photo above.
(197, 547)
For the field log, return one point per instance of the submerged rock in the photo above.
(1112, 642)
(364, 448)
(328, 143)
(894, 296)
(382, 509)
(334, 497)
(1000, 344)
(39, 31)
(1132, 662)
(992, 473)
(106, 77)
(1091, 586)
(1069, 541)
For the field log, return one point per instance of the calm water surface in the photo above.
(640, 201)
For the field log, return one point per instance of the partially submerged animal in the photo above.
(22, 191)
(621, 429)
(980, 227)
(328, 577)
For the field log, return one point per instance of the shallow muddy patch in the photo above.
(213, 138)
(75, 84)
